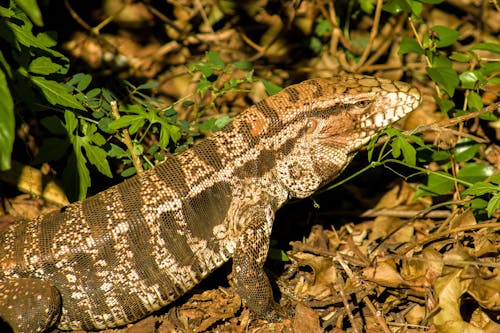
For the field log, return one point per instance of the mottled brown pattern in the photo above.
(134, 248)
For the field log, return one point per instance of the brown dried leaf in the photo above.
(486, 291)
(385, 274)
(449, 288)
(423, 270)
(325, 275)
(306, 320)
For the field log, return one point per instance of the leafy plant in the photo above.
(31, 71)
(460, 170)
(82, 122)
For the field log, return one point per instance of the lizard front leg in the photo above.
(251, 282)
(29, 305)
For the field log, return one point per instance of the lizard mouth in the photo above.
(393, 107)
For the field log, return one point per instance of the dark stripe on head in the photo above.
(329, 110)
(319, 90)
(292, 94)
(269, 113)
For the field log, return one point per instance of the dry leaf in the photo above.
(384, 274)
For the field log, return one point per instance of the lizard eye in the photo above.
(360, 107)
(363, 104)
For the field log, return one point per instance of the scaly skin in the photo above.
(130, 250)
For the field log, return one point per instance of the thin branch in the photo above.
(126, 140)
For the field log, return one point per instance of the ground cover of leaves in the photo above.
(394, 265)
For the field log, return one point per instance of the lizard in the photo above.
(132, 249)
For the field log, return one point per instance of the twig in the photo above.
(126, 139)
(385, 45)
(438, 214)
(446, 233)
(373, 34)
(453, 121)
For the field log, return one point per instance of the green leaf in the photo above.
(43, 65)
(495, 179)
(480, 188)
(409, 45)
(445, 76)
(125, 121)
(70, 123)
(271, 88)
(22, 32)
(474, 101)
(396, 6)
(215, 59)
(6, 123)
(493, 204)
(315, 44)
(478, 204)
(148, 85)
(222, 121)
(324, 26)
(446, 35)
(444, 104)
(438, 183)
(416, 7)
(409, 153)
(136, 125)
(465, 150)
(84, 82)
(56, 93)
(460, 57)
(203, 85)
(30, 7)
(492, 47)
(469, 79)
(83, 173)
(116, 151)
(440, 155)
(76, 177)
(475, 172)
(97, 156)
(98, 139)
(128, 172)
(6, 12)
(438, 60)
(243, 64)
(490, 68)
(53, 124)
(103, 125)
(93, 93)
(169, 132)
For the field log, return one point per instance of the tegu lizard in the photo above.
(130, 250)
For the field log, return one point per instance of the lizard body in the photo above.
(130, 250)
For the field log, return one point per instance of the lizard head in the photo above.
(341, 115)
